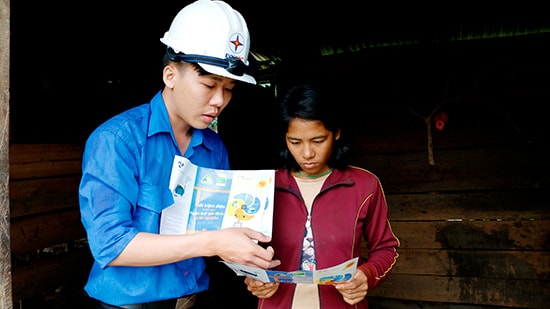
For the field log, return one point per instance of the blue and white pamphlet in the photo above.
(333, 275)
(211, 199)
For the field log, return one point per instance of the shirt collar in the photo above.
(159, 122)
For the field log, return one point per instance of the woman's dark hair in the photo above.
(306, 101)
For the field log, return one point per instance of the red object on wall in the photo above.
(440, 120)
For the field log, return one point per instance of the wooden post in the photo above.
(5, 252)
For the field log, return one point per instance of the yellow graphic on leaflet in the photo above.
(262, 183)
(244, 206)
(241, 215)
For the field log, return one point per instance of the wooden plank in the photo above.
(468, 170)
(466, 206)
(41, 169)
(388, 303)
(517, 293)
(26, 153)
(528, 265)
(35, 233)
(44, 160)
(392, 128)
(35, 196)
(46, 275)
(479, 235)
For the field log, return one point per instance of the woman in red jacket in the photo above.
(323, 208)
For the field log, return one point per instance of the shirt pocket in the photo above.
(151, 201)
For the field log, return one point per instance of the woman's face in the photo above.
(311, 144)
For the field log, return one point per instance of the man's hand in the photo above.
(239, 245)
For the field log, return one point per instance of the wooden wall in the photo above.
(465, 245)
(50, 257)
(475, 226)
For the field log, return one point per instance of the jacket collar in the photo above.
(284, 179)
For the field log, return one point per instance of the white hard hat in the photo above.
(212, 34)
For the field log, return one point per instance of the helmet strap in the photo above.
(232, 65)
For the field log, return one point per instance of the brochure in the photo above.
(211, 199)
(332, 275)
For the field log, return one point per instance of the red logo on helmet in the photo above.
(235, 43)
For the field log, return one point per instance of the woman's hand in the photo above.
(356, 289)
(261, 289)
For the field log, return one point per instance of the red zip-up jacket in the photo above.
(350, 206)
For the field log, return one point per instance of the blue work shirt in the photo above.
(126, 170)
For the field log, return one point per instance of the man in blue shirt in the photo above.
(127, 164)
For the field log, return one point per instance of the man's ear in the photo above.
(169, 74)
(337, 135)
